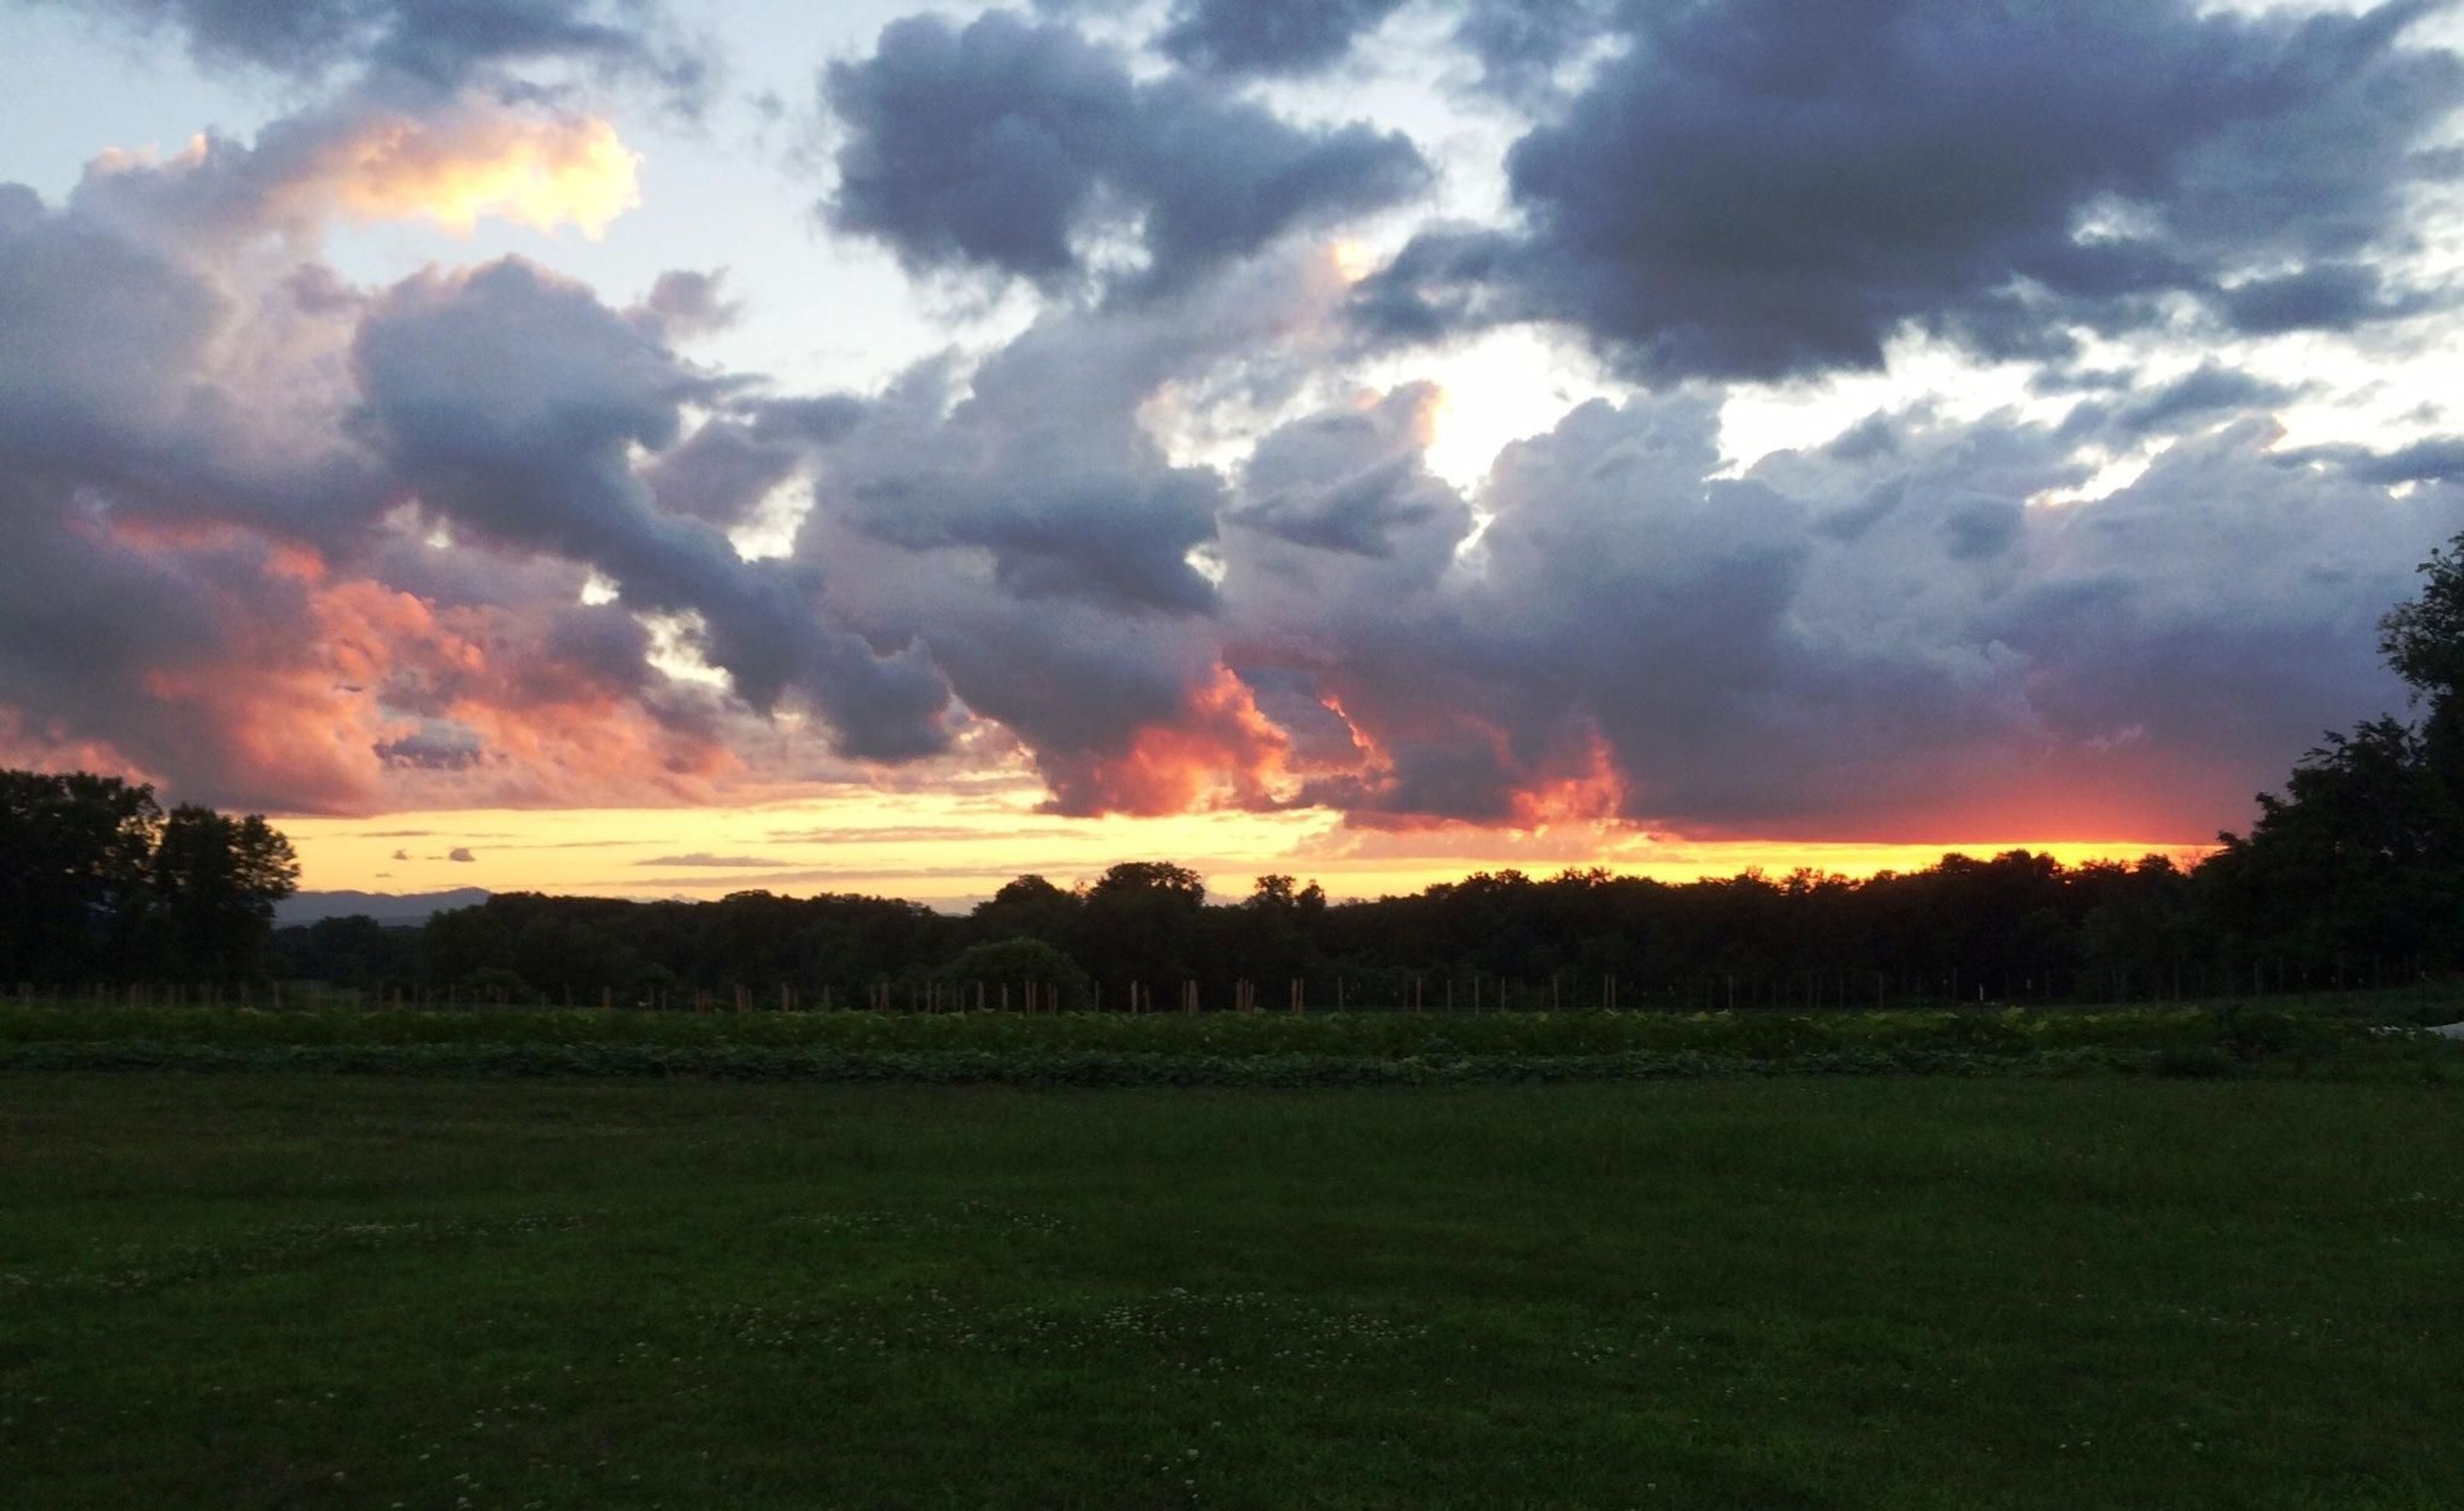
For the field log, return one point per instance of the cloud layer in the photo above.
(480, 535)
(441, 44)
(1754, 190)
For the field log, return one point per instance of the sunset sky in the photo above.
(668, 449)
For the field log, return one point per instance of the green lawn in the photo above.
(305, 1290)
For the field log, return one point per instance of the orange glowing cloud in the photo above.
(274, 732)
(483, 163)
(1594, 795)
(40, 745)
(1221, 752)
(536, 737)
(326, 693)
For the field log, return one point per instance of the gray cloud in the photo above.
(437, 745)
(508, 399)
(1270, 37)
(722, 474)
(1025, 526)
(462, 855)
(2335, 296)
(130, 411)
(1889, 637)
(1755, 189)
(1350, 481)
(1018, 148)
(687, 303)
(440, 43)
(2208, 394)
(1521, 43)
(2437, 460)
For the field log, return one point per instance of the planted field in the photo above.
(1229, 1049)
(313, 1291)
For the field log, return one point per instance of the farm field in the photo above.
(312, 1290)
(2358, 1036)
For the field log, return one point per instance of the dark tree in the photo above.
(2424, 641)
(2359, 863)
(1142, 923)
(1016, 965)
(216, 879)
(1033, 908)
(76, 853)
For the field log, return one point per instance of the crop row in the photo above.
(1212, 1049)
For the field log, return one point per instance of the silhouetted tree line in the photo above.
(2016, 927)
(98, 884)
(2353, 876)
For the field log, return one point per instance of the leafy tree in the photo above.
(1273, 935)
(2352, 867)
(1020, 962)
(1143, 922)
(2362, 860)
(75, 850)
(2423, 640)
(216, 879)
(351, 951)
(1030, 906)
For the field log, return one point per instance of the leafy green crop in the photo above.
(1203, 1049)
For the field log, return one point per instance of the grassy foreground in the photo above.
(314, 1291)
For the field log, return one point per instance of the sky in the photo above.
(658, 447)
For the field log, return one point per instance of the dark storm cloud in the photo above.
(510, 398)
(1270, 37)
(1011, 145)
(1756, 188)
(440, 43)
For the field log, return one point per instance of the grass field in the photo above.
(305, 1290)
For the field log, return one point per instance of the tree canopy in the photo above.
(98, 884)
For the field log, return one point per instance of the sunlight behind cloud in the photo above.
(537, 173)
(1506, 386)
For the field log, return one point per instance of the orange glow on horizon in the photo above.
(951, 850)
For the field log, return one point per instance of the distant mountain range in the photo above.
(385, 908)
